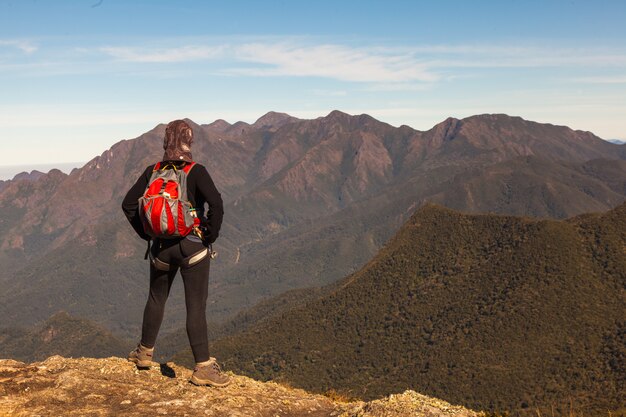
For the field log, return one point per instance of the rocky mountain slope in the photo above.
(113, 386)
(307, 202)
(455, 305)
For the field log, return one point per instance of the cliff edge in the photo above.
(113, 386)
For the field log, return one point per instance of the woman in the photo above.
(188, 253)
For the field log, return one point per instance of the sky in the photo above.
(78, 76)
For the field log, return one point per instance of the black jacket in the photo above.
(200, 189)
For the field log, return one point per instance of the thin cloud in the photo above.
(392, 68)
(278, 59)
(376, 68)
(525, 57)
(331, 61)
(601, 80)
(24, 46)
(15, 116)
(510, 56)
(532, 61)
(329, 93)
(182, 54)
(398, 87)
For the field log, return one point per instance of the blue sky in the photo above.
(77, 76)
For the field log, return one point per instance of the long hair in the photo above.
(177, 141)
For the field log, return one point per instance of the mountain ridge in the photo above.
(329, 179)
(63, 335)
(455, 304)
(273, 120)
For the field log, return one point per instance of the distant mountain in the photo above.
(617, 141)
(535, 186)
(63, 335)
(307, 202)
(274, 120)
(492, 312)
(28, 176)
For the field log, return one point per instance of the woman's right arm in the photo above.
(130, 205)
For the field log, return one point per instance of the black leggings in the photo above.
(196, 282)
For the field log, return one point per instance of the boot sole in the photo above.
(198, 381)
(143, 364)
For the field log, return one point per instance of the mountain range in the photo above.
(307, 202)
(617, 141)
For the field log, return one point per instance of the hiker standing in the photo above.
(166, 208)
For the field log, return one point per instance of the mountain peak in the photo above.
(29, 176)
(58, 385)
(219, 125)
(337, 115)
(274, 120)
(356, 120)
(446, 130)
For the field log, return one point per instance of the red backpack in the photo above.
(164, 208)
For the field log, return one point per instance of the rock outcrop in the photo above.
(113, 386)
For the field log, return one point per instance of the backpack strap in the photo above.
(188, 167)
(147, 251)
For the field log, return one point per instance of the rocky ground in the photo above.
(113, 386)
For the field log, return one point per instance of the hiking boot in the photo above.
(141, 356)
(210, 374)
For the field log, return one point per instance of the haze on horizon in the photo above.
(78, 77)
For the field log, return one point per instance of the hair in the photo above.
(177, 141)
(176, 131)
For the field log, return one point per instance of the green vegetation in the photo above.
(493, 312)
(62, 335)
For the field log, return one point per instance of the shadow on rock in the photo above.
(167, 370)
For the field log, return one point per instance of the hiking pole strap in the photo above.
(147, 251)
